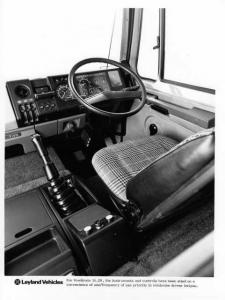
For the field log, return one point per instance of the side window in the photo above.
(190, 48)
(148, 58)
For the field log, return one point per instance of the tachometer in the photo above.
(87, 87)
(64, 93)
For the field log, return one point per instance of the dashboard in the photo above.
(45, 99)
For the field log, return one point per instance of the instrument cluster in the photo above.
(92, 83)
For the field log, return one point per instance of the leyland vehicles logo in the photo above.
(17, 281)
(41, 281)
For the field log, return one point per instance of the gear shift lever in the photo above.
(64, 195)
(49, 167)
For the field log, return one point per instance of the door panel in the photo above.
(168, 125)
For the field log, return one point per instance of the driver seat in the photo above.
(151, 178)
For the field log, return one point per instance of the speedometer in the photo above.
(64, 93)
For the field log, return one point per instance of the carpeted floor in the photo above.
(24, 168)
(25, 172)
(170, 241)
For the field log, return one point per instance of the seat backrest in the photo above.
(171, 172)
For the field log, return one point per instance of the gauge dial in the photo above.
(84, 86)
(88, 88)
(64, 93)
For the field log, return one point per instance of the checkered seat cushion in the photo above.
(117, 164)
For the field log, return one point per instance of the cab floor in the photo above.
(160, 247)
(156, 247)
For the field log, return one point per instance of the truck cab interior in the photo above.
(109, 144)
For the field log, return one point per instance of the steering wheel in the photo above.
(122, 95)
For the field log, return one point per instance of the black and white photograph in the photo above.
(108, 142)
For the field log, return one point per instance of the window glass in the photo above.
(40, 41)
(190, 47)
(44, 38)
(148, 58)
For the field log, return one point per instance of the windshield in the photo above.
(35, 44)
(40, 45)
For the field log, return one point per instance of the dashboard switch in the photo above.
(109, 218)
(24, 114)
(22, 108)
(100, 223)
(87, 230)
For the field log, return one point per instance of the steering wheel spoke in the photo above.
(114, 95)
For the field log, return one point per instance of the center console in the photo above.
(103, 237)
(61, 228)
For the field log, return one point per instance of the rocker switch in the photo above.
(87, 230)
(109, 218)
(100, 223)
